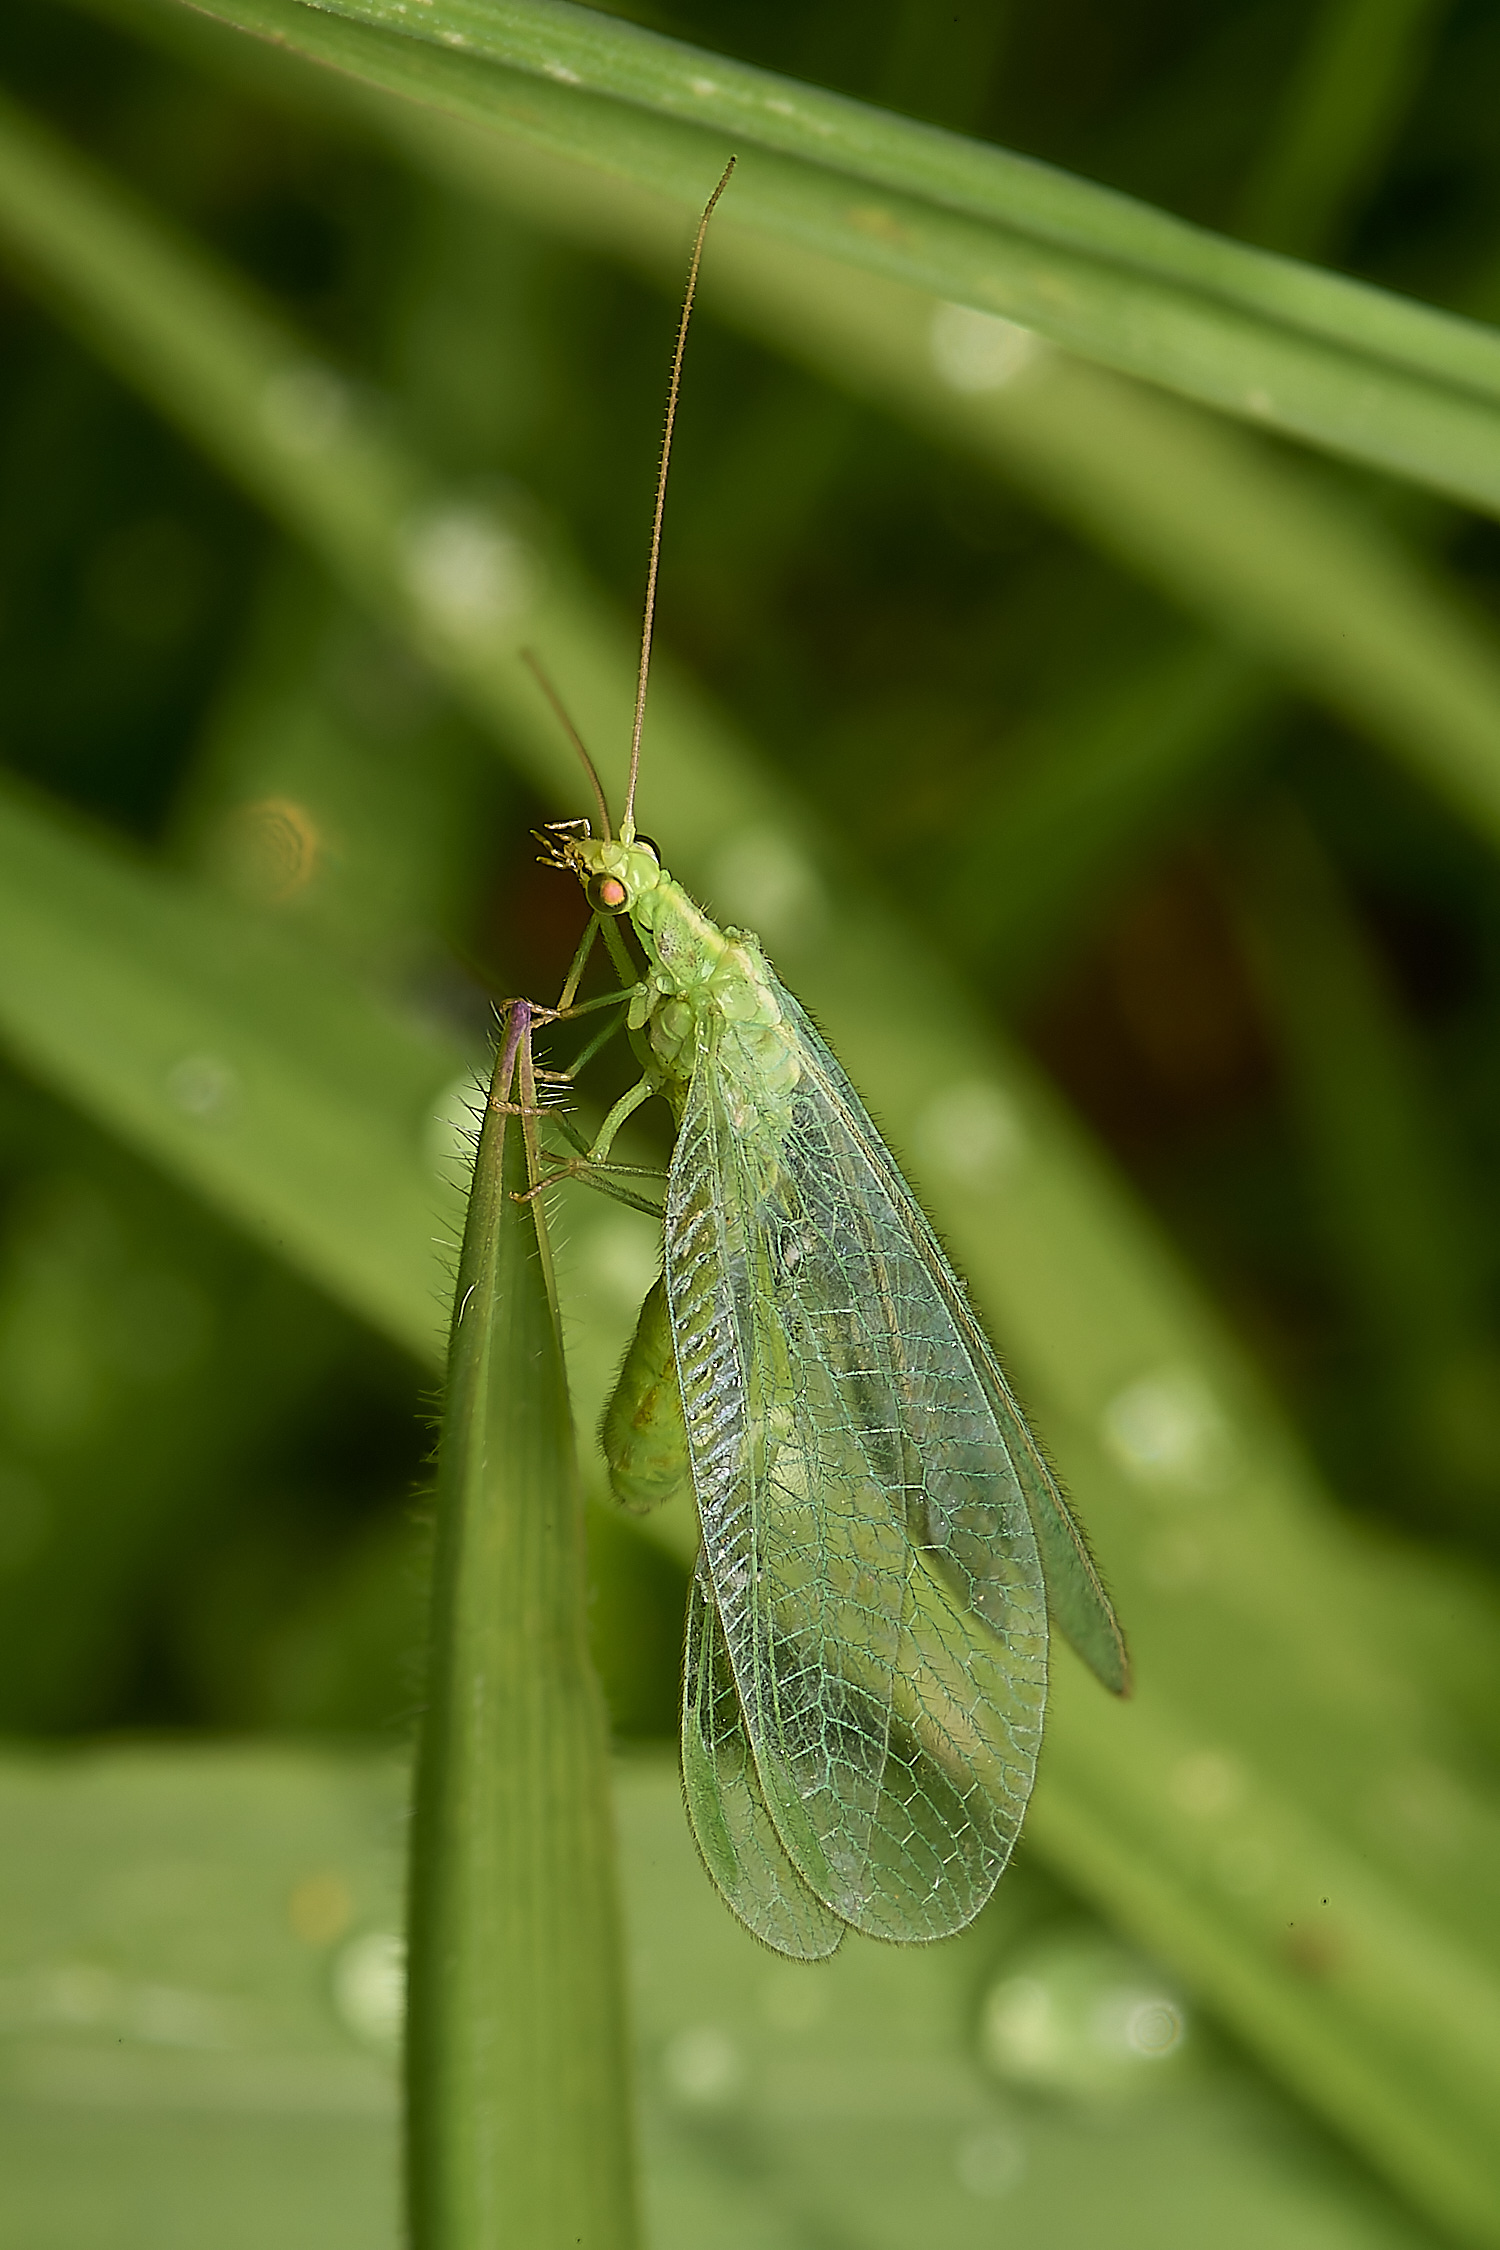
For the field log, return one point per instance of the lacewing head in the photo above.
(615, 875)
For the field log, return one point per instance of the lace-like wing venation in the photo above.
(735, 1834)
(861, 1517)
(1075, 1592)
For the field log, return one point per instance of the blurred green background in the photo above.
(1194, 936)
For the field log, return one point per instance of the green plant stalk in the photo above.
(1367, 375)
(518, 2113)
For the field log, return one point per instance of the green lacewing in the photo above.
(881, 1536)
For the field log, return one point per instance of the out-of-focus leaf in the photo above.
(337, 791)
(201, 1983)
(1226, 531)
(254, 1073)
(1092, 787)
(1352, 368)
(1388, 1191)
(1360, 64)
(128, 1428)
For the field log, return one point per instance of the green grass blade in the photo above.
(1231, 534)
(1354, 369)
(292, 808)
(251, 1071)
(517, 2090)
(1222, 528)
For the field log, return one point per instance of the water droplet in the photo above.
(203, 1086)
(979, 351)
(1167, 1430)
(990, 2162)
(764, 878)
(369, 1986)
(970, 1132)
(269, 850)
(1151, 2027)
(702, 2067)
(1208, 1782)
(466, 571)
(1019, 2032)
(1079, 2016)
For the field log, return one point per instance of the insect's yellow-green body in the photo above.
(866, 1647)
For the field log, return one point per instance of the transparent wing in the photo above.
(735, 1834)
(1075, 1592)
(871, 1554)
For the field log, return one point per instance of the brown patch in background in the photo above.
(1157, 1032)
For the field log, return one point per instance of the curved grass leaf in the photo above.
(1238, 538)
(259, 1076)
(1354, 369)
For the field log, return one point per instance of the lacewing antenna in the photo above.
(533, 665)
(627, 825)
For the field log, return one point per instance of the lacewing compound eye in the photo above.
(652, 846)
(607, 894)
